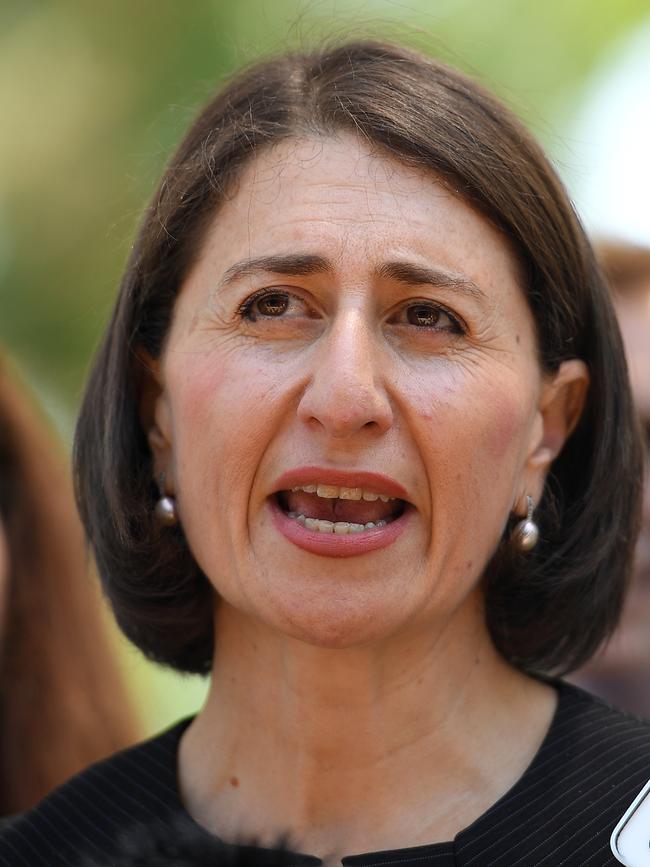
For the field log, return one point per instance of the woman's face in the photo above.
(350, 329)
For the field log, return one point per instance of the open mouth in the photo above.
(341, 511)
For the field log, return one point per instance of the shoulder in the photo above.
(590, 734)
(592, 764)
(88, 814)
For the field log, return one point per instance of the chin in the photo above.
(337, 625)
(324, 609)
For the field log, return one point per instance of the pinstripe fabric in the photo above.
(560, 813)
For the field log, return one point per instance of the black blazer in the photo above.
(560, 813)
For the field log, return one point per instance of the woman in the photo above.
(359, 440)
(63, 702)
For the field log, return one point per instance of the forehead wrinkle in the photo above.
(270, 182)
(354, 220)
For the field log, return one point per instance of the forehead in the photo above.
(354, 204)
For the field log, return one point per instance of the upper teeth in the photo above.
(332, 492)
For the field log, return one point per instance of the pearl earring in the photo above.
(526, 534)
(165, 510)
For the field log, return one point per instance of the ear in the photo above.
(560, 406)
(155, 416)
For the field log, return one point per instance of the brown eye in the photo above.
(273, 304)
(270, 305)
(429, 316)
(424, 315)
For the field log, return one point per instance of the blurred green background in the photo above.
(94, 97)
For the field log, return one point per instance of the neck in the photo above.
(417, 736)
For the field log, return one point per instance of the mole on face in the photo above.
(234, 782)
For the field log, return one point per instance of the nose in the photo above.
(345, 393)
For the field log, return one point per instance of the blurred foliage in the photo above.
(94, 97)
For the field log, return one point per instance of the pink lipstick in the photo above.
(339, 513)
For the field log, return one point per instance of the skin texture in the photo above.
(622, 672)
(377, 683)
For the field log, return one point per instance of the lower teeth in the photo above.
(339, 528)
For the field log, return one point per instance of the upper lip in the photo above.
(378, 483)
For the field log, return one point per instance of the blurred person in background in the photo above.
(621, 673)
(611, 189)
(62, 701)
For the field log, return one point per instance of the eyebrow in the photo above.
(293, 265)
(419, 275)
(305, 264)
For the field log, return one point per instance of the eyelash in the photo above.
(245, 310)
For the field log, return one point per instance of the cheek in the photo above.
(483, 416)
(216, 395)
(222, 408)
(473, 435)
(503, 426)
(501, 432)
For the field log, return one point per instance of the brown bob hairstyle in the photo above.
(548, 612)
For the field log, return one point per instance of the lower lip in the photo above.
(333, 545)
